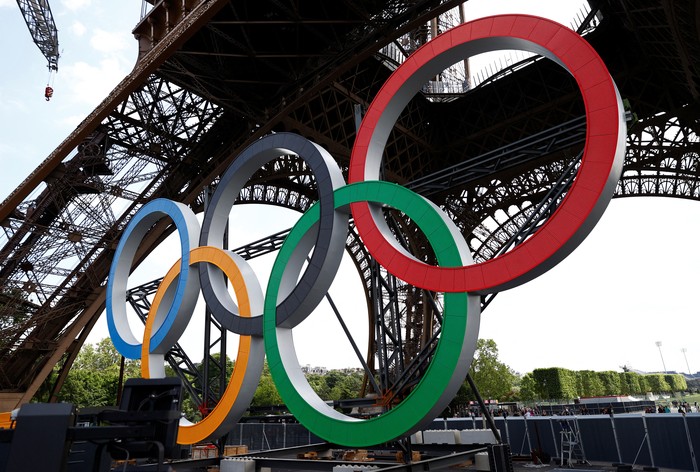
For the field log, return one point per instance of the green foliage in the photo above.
(89, 388)
(266, 393)
(611, 382)
(544, 383)
(657, 383)
(319, 385)
(333, 378)
(528, 388)
(349, 386)
(492, 377)
(589, 384)
(333, 385)
(568, 383)
(630, 384)
(676, 382)
(643, 384)
(693, 385)
(462, 398)
(104, 357)
(555, 383)
(93, 379)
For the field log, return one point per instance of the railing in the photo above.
(666, 440)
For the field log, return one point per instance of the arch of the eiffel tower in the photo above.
(495, 150)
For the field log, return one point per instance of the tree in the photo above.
(85, 388)
(348, 386)
(492, 377)
(644, 385)
(555, 383)
(528, 388)
(657, 383)
(104, 357)
(676, 382)
(590, 384)
(611, 382)
(266, 394)
(333, 378)
(93, 379)
(319, 385)
(629, 382)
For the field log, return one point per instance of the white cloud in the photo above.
(89, 84)
(77, 28)
(8, 3)
(108, 42)
(75, 4)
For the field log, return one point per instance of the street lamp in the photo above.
(658, 344)
(684, 350)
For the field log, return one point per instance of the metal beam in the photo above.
(37, 14)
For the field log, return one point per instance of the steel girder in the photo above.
(37, 14)
(57, 247)
(663, 158)
(667, 34)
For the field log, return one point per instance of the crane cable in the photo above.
(39, 19)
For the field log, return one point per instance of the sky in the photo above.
(629, 285)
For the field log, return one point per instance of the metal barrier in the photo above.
(665, 440)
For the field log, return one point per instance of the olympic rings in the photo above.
(584, 203)
(265, 322)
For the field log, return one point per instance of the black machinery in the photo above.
(49, 436)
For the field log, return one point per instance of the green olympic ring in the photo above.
(452, 357)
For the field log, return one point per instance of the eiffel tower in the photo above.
(214, 75)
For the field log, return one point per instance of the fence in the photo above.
(665, 440)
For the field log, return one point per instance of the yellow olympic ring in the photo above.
(249, 360)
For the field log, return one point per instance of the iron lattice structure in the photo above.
(37, 14)
(496, 153)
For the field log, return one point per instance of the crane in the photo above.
(37, 15)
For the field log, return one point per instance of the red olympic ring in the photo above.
(584, 203)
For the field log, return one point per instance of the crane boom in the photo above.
(37, 15)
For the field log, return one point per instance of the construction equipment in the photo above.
(37, 15)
